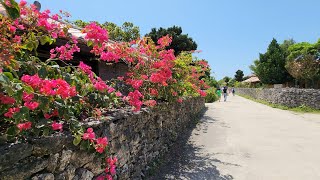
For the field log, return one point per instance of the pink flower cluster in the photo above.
(6, 99)
(100, 143)
(55, 87)
(11, 112)
(134, 99)
(24, 126)
(110, 169)
(109, 56)
(164, 41)
(95, 33)
(56, 126)
(64, 52)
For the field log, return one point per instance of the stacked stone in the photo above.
(137, 139)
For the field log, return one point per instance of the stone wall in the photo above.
(112, 70)
(291, 97)
(137, 139)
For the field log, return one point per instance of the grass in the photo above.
(300, 109)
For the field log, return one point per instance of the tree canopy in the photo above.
(270, 68)
(127, 32)
(239, 75)
(180, 42)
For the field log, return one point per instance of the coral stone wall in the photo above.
(136, 139)
(291, 97)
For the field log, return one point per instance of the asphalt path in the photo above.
(244, 140)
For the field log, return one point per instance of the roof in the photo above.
(252, 79)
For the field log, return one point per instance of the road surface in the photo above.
(244, 140)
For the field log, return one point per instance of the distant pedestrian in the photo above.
(218, 91)
(233, 91)
(225, 93)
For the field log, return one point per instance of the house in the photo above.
(253, 80)
(104, 70)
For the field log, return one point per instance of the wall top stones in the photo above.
(291, 97)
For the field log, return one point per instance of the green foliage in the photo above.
(13, 11)
(211, 95)
(271, 65)
(125, 33)
(180, 42)
(239, 75)
(302, 61)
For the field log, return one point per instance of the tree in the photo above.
(285, 46)
(303, 62)
(180, 42)
(271, 66)
(127, 32)
(239, 75)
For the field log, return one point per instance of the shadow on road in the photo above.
(184, 160)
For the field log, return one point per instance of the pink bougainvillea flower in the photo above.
(11, 112)
(174, 93)
(85, 68)
(27, 97)
(7, 100)
(90, 135)
(136, 84)
(101, 144)
(22, 3)
(95, 33)
(101, 177)
(120, 78)
(56, 126)
(31, 105)
(179, 100)
(202, 93)
(109, 56)
(150, 103)
(33, 81)
(118, 94)
(24, 126)
(100, 86)
(113, 170)
(111, 89)
(164, 41)
(153, 92)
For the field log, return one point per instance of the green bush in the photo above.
(211, 95)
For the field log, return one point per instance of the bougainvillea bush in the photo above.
(40, 98)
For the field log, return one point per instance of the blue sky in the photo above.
(230, 33)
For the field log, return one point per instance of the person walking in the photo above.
(233, 91)
(225, 93)
(218, 92)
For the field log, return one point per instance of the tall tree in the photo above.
(239, 75)
(180, 42)
(271, 67)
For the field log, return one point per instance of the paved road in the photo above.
(243, 140)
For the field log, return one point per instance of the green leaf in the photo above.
(46, 132)
(4, 79)
(89, 43)
(77, 140)
(12, 132)
(9, 75)
(28, 89)
(45, 39)
(43, 72)
(85, 145)
(13, 11)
